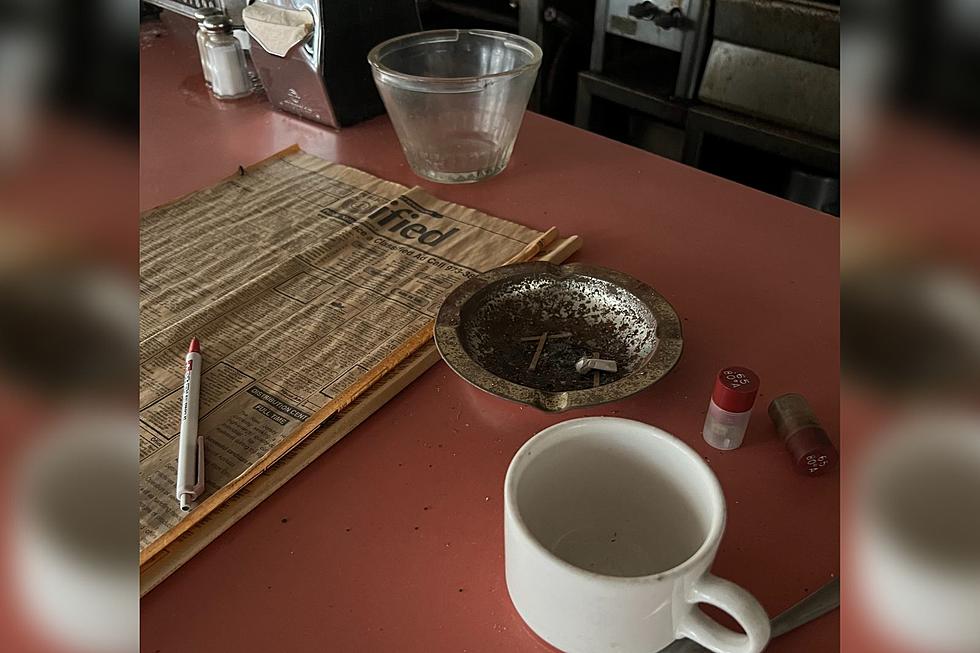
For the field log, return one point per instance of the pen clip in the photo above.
(199, 469)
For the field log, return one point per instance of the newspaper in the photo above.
(298, 276)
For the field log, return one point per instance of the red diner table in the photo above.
(393, 539)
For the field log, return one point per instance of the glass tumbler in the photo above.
(456, 98)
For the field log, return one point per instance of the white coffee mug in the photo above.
(915, 532)
(610, 527)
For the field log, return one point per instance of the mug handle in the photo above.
(735, 601)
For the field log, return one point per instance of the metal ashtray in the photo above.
(518, 331)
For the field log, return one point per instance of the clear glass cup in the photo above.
(456, 98)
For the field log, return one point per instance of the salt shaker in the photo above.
(225, 59)
(199, 16)
(730, 407)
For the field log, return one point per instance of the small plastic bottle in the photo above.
(806, 440)
(199, 16)
(730, 407)
(224, 56)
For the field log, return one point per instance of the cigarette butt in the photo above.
(584, 365)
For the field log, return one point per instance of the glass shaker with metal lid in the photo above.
(225, 59)
(199, 16)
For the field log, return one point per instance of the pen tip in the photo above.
(195, 347)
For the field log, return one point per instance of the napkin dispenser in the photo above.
(312, 54)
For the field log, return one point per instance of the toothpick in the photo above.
(553, 336)
(537, 352)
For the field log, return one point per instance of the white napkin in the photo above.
(276, 29)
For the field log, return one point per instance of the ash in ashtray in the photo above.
(555, 370)
(533, 331)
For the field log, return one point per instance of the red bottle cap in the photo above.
(809, 446)
(812, 451)
(735, 389)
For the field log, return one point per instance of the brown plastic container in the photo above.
(811, 450)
